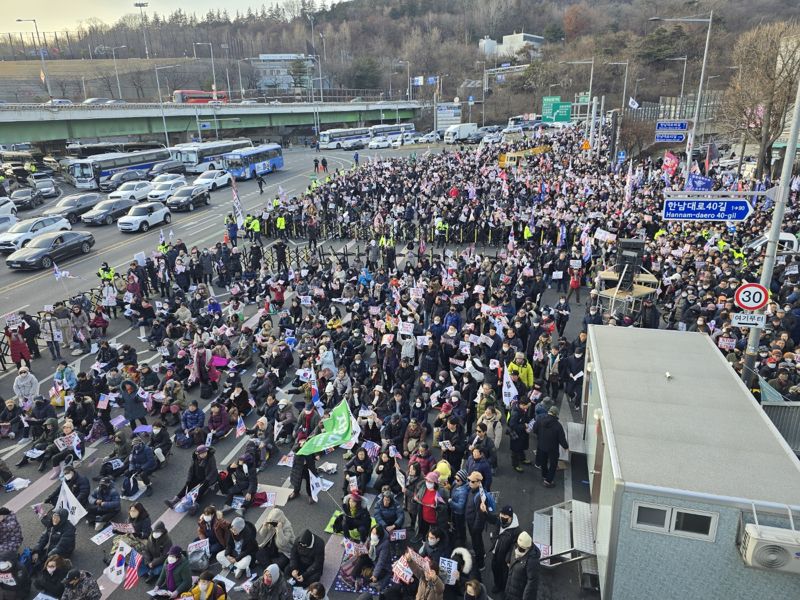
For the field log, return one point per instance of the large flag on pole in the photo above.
(238, 214)
(68, 501)
(509, 389)
(337, 429)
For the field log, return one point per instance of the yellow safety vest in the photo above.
(276, 203)
(659, 233)
(254, 225)
(527, 233)
(280, 223)
(106, 275)
(163, 248)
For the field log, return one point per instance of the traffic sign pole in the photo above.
(774, 234)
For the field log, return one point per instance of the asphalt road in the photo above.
(32, 290)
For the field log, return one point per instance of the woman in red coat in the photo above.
(18, 346)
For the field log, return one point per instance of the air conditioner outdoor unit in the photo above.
(771, 548)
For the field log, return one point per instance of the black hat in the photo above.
(507, 511)
(71, 574)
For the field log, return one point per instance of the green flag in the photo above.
(337, 430)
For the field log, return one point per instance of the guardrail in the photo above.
(192, 107)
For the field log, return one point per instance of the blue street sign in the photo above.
(471, 100)
(672, 125)
(670, 138)
(205, 125)
(504, 65)
(621, 155)
(688, 209)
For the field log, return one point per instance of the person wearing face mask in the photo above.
(80, 585)
(523, 569)
(206, 589)
(375, 566)
(307, 560)
(160, 442)
(57, 539)
(15, 582)
(103, 504)
(78, 485)
(241, 481)
(272, 585)
(175, 576)
(433, 507)
(154, 553)
(572, 369)
(52, 334)
(503, 541)
(50, 580)
(550, 435)
(475, 590)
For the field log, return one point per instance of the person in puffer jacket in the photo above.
(142, 463)
(10, 532)
(58, 538)
(307, 560)
(218, 422)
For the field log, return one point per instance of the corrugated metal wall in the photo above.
(786, 417)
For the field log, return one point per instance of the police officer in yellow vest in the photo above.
(280, 225)
(254, 227)
(106, 273)
(527, 233)
(246, 226)
(442, 227)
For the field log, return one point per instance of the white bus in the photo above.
(88, 173)
(391, 131)
(333, 139)
(205, 156)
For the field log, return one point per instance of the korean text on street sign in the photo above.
(670, 138)
(749, 319)
(751, 296)
(672, 126)
(547, 106)
(686, 209)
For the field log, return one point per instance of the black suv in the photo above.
(188, 197)
(72, 207)
(27, 198)
(167, 166)
(118, 178)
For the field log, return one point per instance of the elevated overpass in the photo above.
(39, 123)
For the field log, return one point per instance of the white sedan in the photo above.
(163, 191)
(213, 179)
(379, 142)
(132, 190)
(142, 217)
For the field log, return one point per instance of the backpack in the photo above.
(130, 486)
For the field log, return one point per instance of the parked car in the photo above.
(166, 166)
(96, 101)
(473, 138)
(492, 138)
(188, 197)
(108, 211)
(41, 252)
(47, 187)
(15, 170)
(7, 222)
(169, 177)
(135, 190)
(7, 207)
(20, 234)
(73, 206)
(27, 198)
(430, 138)
(58, 102)
(144, 216)
(117, 101)
(118, 178)
(213, 179)
(249, 102)
(352, 144)
(163, 191)
(379, 142)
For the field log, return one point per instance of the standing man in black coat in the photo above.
(477, 511)
(572, 375)
(521, 415)
(550, 435)
(523, 569)
(31, 331)
(504, 539)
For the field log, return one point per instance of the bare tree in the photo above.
(139, 81)
(106, 81)
(758, 98)
(635, 136)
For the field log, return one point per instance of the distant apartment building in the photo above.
(282, 72)
(511, 44)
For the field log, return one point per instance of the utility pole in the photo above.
(593, 110)
(40, 50)
(141, 6)
(774, 235)
(116, 72)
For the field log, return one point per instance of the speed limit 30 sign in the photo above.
(751, 296)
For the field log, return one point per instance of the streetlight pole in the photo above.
(241, 86)
(324, 49)
(690, 138)
(408, 76)
(41, 54)
(774, 233)
(483, 93)
(161, 100)
(116, 73)
(227, 75)
(213, 69)
(141, 6)
(683, 79)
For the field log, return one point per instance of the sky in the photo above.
(53, 15)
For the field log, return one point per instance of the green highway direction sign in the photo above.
(561, 113)
(547, 107)
(583, 98)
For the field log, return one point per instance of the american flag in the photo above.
(132, 574)
(241, 428)
(372, 449)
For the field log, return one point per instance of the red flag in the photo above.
(132, 574)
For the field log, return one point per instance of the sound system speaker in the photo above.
(629, 254)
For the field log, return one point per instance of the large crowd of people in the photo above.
(443, 347)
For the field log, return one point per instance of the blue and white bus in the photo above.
(391, 131)
(206, 156)
(88, 173)
(246, 163)
(334, 139)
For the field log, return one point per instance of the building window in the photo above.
(670, 520)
